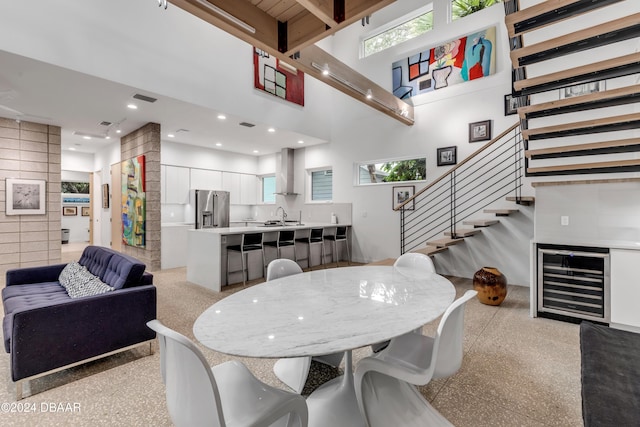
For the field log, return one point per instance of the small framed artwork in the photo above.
(25, 196)
(69, 210)
(85, 211)
(510, 104)
(480, 131)
(402, 194)
(447, 156)
(582, 89)
(105, 196)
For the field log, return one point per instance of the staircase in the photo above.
(591, 132)
(446, 211)
(560, 132)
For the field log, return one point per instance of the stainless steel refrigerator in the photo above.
(212, 208)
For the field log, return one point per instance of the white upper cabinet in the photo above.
(248, 189)
(203, 179)
(231, 183)
(176, 185)
(177, 181)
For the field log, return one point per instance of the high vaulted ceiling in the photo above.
(286, 26)
(288, 29)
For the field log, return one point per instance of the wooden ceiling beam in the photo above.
(321, 9)
(265, 26)
(303, 33)
(348, 81)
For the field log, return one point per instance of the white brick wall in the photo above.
(29, 151)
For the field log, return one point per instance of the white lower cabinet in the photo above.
(625, 287)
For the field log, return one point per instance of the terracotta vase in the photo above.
(491, 285)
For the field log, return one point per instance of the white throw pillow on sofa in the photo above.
(79, 282)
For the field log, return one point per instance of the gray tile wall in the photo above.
(146, 141)
(30, 151)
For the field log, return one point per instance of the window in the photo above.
(398, 31)
(392, 171)
(268, 189)
(322, 185)
(462, 8)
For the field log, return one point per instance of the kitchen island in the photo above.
(207, 252)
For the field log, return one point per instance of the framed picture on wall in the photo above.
(447, 156)
(582, 89)
(105, 196)
(25, 196)
(402, 194)
(480, 131)
(85, 211)
(69, 210)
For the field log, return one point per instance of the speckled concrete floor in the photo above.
(517, 371)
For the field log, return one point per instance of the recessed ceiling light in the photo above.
(300, 142)
(86, 137)
(107, 137)
(256, 151)
(222, 116)
(218, 144)
(72, 148)
(118, 131)
(271, 130)
(132, 106)
(171, 135)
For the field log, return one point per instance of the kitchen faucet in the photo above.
(284, 214)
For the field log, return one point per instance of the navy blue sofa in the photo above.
(45, 330)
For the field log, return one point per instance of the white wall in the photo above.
(441, 119)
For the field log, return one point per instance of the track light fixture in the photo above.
(164, 3)
(226, 15)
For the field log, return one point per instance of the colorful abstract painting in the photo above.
(133, 202)
(467, 58)
(277, 78)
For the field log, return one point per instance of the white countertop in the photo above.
(611, 244)
(263, 229)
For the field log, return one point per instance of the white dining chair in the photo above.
(420, 264)
(226, 394)
(417, 261)
(385, 382)
(294, 371)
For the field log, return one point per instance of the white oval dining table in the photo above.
(322, 312)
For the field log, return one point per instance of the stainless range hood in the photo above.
(284, 180)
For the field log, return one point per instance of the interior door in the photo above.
(115, 202)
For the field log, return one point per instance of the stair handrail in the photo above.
(459, 165)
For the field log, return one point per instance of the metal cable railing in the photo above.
(489, 174)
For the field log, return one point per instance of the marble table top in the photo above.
(323, 311)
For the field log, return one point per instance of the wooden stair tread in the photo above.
(549, 107)
(585, 166)
(481, 222)
(524, 200)
(562, 77)
(430, 250)
(601, 31)
(461, 233)
(448, 241)
(501, 212)
(582, 147)
(547, 7)
(586, 124)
